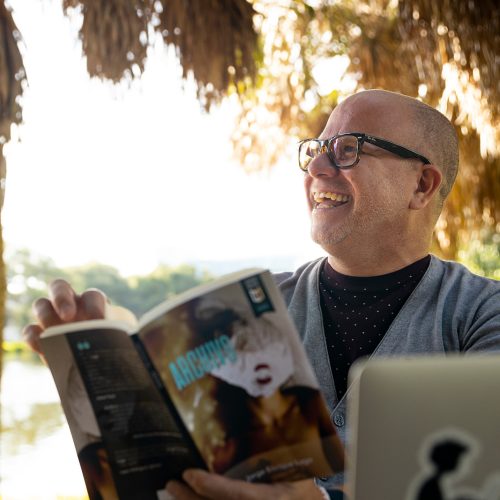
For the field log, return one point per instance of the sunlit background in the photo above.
(135, 174)
(133, 188)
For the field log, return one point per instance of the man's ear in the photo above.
(428, 185)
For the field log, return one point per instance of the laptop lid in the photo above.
(425, 428)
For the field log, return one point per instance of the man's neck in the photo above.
(368, 263)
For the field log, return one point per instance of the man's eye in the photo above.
(344, 150)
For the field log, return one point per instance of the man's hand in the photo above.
(63, 305)
(204, 485)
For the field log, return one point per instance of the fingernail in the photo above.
(65, 311)
(187, 475)
(171, 486)
(190, 475)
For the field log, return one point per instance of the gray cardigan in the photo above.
(451, 309)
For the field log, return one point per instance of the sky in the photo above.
(136, 174)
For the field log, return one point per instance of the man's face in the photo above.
(369, 204)
(264, 360)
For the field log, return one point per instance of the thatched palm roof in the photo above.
(214, 39)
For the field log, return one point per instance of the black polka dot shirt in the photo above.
(357, 312)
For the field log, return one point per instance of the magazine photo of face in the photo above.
(264, 360)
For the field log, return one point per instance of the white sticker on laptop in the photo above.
(445, 457)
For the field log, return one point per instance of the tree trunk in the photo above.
(3, 283)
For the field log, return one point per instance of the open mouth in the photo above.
(263, 375)
(261, 366)
(329, 200)
(264, 380)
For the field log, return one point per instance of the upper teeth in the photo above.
(319, 197)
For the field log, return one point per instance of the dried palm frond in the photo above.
(114, 35)
(268, 111)
(472, 208)
(293, 39)
(215, 41)
(460, 42)
(12, 78)
(464, 31)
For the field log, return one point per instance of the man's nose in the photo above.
(322, 166)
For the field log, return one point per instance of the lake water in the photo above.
(37, 457)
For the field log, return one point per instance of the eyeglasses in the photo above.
(343, 149)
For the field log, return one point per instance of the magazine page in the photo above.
(234, 367)
(127, 442)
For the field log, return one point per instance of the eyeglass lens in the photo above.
(343, 150)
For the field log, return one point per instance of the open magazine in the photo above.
(215, 378)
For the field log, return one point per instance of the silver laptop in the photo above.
(425, 428)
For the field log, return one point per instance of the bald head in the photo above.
(408, 122)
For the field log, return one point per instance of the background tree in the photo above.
(28, 275)
(27, 278)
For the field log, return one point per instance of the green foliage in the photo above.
(29, 275)
(162, 283)
(27, 278)
(21, 431)
(483, 256)
(16, 347)
(103, 277)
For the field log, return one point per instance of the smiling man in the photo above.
(375, 181)
(374, 202)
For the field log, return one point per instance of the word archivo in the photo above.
(196, 363)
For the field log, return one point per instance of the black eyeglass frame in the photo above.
(361, 138)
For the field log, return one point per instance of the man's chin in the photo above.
(328, 240)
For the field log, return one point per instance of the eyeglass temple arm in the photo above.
(394, 148)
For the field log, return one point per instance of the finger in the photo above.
(63, 297)
(45, 313)
(218, 487)
(180, 491)
(31, 335)
(92, 304)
